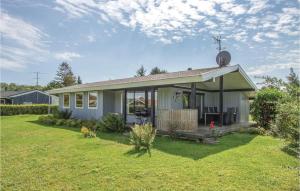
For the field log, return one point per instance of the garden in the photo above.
(36, 156)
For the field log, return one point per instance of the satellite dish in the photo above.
(223, 58)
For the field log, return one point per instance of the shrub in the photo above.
(47, 120)
(287, 121)
(87, 133)
(91, 124)
(253, 130)
(62, 114)
(142, 137)
(263, 108)
(172, 127)
(111, 123)
(26, 109)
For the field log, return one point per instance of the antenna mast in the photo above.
(218, 40)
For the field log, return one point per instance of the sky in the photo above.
(105, 40)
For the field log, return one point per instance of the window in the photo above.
(79, 100)
(93, 97)
(138, 101)
(66, 100)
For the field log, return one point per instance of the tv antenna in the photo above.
(223, 58)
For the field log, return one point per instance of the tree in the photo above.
(64, 75)
(271, 82)
(293, 78)
(79, 81)
(141, 71)
(190, 69)
(53, 85)
(156, 70)
(16, 87)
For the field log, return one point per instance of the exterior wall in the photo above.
(108, 102)
(34, 98)
(167, 99)
(85, 112)
(118, 102)
(244, 108)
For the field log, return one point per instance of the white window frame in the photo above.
(66, 107)
(96, 100)
(76, 100)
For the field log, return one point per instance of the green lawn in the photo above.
(38, 157)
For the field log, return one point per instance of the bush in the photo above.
(142, 137)
(88, 133)
(287, 121)
(264, 106)
(111, 123)
(253, 130)
(26, 109)
(62, 114)
(47, 120)
(172, 127)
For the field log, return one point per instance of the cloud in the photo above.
(67, 56)
(22, 43)
(91, 38)
(269, 68)
(163, 20)
(258, 37)
(277, 61)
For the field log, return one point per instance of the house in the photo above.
(25, 97)
(190, 97)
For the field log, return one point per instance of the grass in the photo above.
(38, 157)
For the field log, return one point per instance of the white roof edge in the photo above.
(24, 93)
(242, 71)
(225, 70)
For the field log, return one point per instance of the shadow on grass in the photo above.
(136, 153)
(182, 148)
(196, 151)
(292, 149)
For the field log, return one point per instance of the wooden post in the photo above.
(221, 101)
(193, 96)
(153, 106)
(146, 99)
(125, 105)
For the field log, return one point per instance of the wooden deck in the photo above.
(203, 132)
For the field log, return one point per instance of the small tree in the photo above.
(264, 106)
(141, 72)
(156, 70)
(79, 81)
(64, 75)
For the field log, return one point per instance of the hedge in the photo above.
(26, 109)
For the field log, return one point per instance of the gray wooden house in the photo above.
(25, 97)
(192, 98)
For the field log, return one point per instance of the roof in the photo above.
(10, 94)
(187, 76)
(7, 94)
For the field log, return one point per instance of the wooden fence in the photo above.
(183, 119)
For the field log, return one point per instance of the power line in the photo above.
(37, 77)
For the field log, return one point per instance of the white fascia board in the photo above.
(25, 93)
(219, 72)
(226, 70)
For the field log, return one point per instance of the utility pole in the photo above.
(37, 78)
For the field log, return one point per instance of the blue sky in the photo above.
(112, 39)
